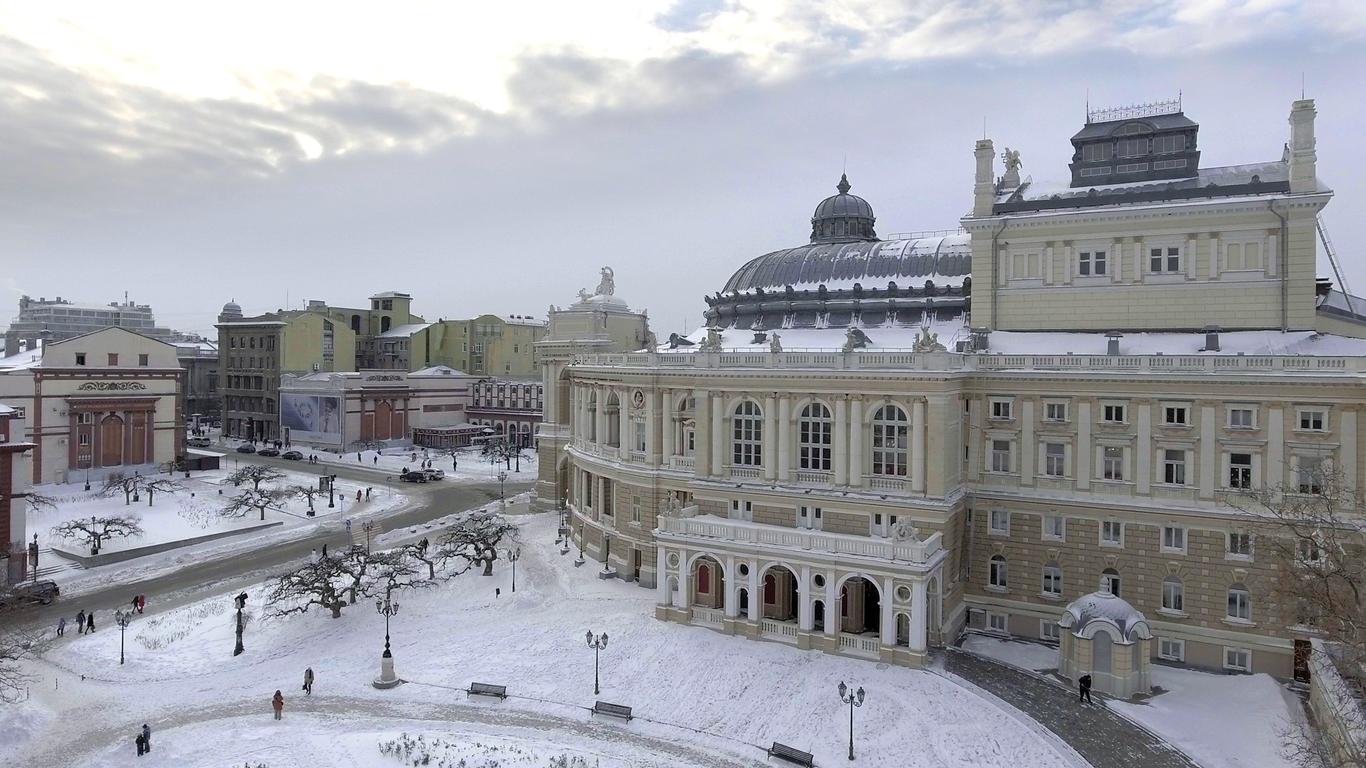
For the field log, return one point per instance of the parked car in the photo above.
(198, 442)
(246, 448)
(433, 474)
(413, 476)
(267, 452)
(29, 592)
(292, 455)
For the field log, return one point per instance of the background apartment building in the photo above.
(56, 320)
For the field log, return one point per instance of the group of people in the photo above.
(277, 702)
(139, 603)
(312, 458)
(144, 740)
(85, 622)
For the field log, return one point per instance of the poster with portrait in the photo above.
(311, 418)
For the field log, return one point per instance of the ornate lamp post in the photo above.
(387, 678)
(597, 643)
(502, 476)
(513, 556)
(331, 491)
(122, 619)
(853, 699)
(367, 526)
(241, 602)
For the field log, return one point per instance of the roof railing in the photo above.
(924, 233)
(1131, 111)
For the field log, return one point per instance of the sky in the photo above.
(491, 157)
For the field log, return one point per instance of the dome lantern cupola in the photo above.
(843, 218)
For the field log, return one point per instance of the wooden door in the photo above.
(384, 418)
(111, 441)
(1302, 651)
(137, 446)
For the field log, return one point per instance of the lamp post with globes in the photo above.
(387, 678)
(513, 556)
(502, 476)
(597, 643)
(123, 620)
(853, 699)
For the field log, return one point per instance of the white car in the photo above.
(433, 474)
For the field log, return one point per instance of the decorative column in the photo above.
(1084, 450)
(756, 597)
(718, 454)
(1143, 459)
(805, 618)
(1275, 447)
(1028, 449)
(625, 439)
(667, 415)
(730, 603)
(1214, 256)
(1209, 453)
(770, 436)
(919, 615)
(1348, 452)
(661, 577)
(600, 429)
(888, 620)
(841, 441)
(856, 468)
(702, 435)
(832, 606)
(784, 438)
(652, 451)
(918, 446)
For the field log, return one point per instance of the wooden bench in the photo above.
(615, 710)
(487, 689)
(791, 755)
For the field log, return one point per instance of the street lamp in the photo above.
(387, 678)
(241, 602)
(513, 557)
(87, 478)
(501, 477)
(122, 619)
(367, 526)
(331, 491)
(853, 699)
(597, 643)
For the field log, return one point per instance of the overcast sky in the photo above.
(490, 157)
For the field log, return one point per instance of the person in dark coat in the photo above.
(90, 622)
(1084, 683)
(80, 622)
(61, 626)
(308, 681)
(141, 744)
(147, 737)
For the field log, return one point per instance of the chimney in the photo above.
(984, 190)
(1112, 343)
(1211, 338)
(1303, 158)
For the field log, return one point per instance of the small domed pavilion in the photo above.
(1105, 636)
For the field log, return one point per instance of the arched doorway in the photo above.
(781, 599)
(932, 608)
(384, 416)
(708, 583)
(818, 615)
(860, 606)
(903, 630)
(111, 441)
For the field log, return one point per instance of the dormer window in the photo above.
(1133, 147)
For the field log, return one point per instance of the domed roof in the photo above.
(944, 260)
(1090, 612)
(232, 307)
(843, 217)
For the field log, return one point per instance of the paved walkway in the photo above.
(1102, 737)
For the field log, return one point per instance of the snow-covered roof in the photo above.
(1086, 614)
(1222, 176)
(25, 359)
(831, 339)
(404, 331)
(1169, 343)
(943, 260)
(438, 370)
(5, 410)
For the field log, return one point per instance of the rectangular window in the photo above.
(1091, 263)
(639, 436)
(1240, 471)
(80, 358)
(1166, 145)
(1000, 409)
(1133, 147)
(1113, 413)
(809, 517)
(143, 360)
(1000, 522)
(997, 622)
(1112, 533)
(84, 440)
(1055, 459)
(1131, 167)
(1239, 546)
(1048, 630)
(1000, 455)
(1164, 260)
(1309, 474)
(1163, 165)
(1173, 595)
(1177, 415)
(1313, 419)
(1170, 649)
(1096, 153)
(1095, 171)
(1238, 659)
(741, 510)
(1112, 463)
(1052, 581)
(1054, 527)
(1055, 411)
(1174, 467)
(113, 359)
(635, 510)
(1240, 418)
(1173, 539)
(1239, 605)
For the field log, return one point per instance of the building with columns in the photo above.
(877, 443)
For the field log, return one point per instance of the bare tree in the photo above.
(352, 566)
(255, 474)
(317, 583)
(392, 571)
(255, 499)
(96, 530)
(309, 492)
(152, 486)
(133, 485)
(37, 501)
(474, 540)
(15, 645)
(422, 552)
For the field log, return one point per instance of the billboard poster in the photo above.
(311, 418)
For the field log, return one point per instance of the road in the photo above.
(231, 571)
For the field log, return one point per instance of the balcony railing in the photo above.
(859, 644)
(743, 532)
(682, 463)
(781, 630)
(708, 616)
(812, 477)
(744, 473)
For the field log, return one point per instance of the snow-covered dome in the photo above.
(843, 218)
(1089, 613)
(604, 302)
(231, 311)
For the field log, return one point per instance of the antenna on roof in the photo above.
(1301, 84)
(984, 127)
(1088, 105)
(1179, 96)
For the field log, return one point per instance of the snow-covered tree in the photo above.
(474, 540)
(15, 645)
(309, 492)
(97, 530)
(133, 485)
(255, 474)
(392, 571)
(318, 583)
(255, 499)
(422, 552)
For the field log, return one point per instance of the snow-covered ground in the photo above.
(468, 467)
(1221, 721)
(701, 698)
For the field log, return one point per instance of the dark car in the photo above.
(245, 448)
(413, 476)
(30, 592)
(267, 452)
(292, 456)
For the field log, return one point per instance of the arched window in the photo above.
(1052, 580)
(997, 571)
(1239, 603)
(383, 324)
(355, 323)
(1109, 581)
(747, 430)
(813, 438)
(1173, 594)
(704, 578)
(889, 441)
(592, 416)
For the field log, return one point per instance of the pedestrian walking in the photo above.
(357, 495)
(80, 622)
(308, 681)
(357, 457)
(278, 704)
(147, 737)
(348, 527)
(377, 458)
(497, 592)
(314, 557)
(1084, 683)
(135, 604)
(324, 549)
(90, 622)
(367, 494)
(142, 603)
(61, 626)
(141, 744)
(454, 464)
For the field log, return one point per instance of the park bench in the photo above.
(487, 689)
(615, 710)
(790, 754)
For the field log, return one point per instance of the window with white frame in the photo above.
(1055, 459)
(1238, 659)
(1313, 419)
(889, 441)
(809, 517)
(1112, 533)
(1091, 263)
(689, 441)
(1055, 410)
(1238, 546)
(1000, 455)
(1112, 413)
(882, 524)
(1239, 603)
(1309, 474)
(635, 510)
(1240, 471)
(1243, 255)
(1109, 581)
(1000, 409)
(1054, 527)
(1097, 153)
(1133, 147)
(1171, 649)
(996, 572)
(1052, 580)
(1174, 466)
(814, 436)
(741, 510)
(1165, 260)
(1049, 630)
(637, 436)
(1176, 415)
(747, 435)
(997, 622)
(1173, 538)
(1173, 595)
(1310, 551)
(1000, 522)
(1167, 145)
(1024, 265)
(1241, 417)
(1112, 462)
